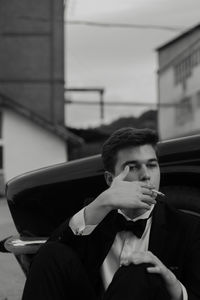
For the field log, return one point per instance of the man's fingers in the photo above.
(145, 206)
(155, 269)
(144, 257)
(147, 191)
(148, 200)
(123, 174)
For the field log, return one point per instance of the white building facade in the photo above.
(179, 86)
(28, 146)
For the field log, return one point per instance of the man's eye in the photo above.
(132, 167)
(152, 165)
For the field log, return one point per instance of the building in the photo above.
(28, 141)
(33, 132)
(179, 85)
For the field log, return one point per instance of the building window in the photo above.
(198, 98)
(184, 66)
(0, 124)
(184, 111)
(1, 157)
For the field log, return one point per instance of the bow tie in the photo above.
(137, 227)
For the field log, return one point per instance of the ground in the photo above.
(11, 276)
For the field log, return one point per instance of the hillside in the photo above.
(94, 137)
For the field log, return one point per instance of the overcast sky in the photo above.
(123, 61)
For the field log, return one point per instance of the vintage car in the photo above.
(40, 200)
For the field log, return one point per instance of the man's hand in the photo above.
(122, 194)
(173, 286)
(130, 195)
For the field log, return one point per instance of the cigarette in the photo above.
(158, 193)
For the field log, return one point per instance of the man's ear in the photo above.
(108, 177)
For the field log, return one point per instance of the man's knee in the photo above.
(133, 282)
(138, 273)
(55, 255)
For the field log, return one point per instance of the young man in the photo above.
(127, 243)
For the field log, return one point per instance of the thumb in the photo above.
(123, 174)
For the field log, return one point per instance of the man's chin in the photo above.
(133, 213)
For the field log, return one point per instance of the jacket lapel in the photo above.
(100, 243)
(102, 239)
(167, 239)
(160, 233)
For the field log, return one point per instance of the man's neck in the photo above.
(133, 214)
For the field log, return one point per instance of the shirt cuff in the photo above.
(78, 226)
(184, 291)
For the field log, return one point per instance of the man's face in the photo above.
(142, 162)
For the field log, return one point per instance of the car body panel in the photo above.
(40, 200)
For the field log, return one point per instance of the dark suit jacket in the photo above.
(174, 239)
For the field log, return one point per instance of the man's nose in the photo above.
(144, 173)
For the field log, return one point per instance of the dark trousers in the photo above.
(57, 274)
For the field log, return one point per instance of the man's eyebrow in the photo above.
(134, 162)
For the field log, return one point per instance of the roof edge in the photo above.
(180, 36)
(59, 130)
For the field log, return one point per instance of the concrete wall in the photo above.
(179, 89)
(176, 119)
(28, 146)
(168, 53)
(32, 56)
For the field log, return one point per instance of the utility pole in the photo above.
(100, 91)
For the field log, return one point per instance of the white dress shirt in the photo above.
(124, 243)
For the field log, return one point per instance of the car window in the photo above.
(183, 197)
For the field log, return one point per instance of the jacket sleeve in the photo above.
(191, 279)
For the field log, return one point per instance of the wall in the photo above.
(179, 90)
(28, 146)
(32, 56)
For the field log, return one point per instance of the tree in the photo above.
(95, 137)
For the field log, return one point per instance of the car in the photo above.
(39, 201)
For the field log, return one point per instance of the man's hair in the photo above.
(124, 138)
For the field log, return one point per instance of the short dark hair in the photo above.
(124, 138)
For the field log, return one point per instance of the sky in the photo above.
(121, 60)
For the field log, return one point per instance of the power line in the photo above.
(106, 24)
(124, 25)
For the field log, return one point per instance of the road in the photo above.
(11, 276)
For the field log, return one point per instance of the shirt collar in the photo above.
(143, 216)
